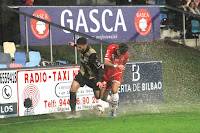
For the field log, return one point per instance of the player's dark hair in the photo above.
(82, 41)
(123, 48)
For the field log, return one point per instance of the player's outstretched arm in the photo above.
(110, 64)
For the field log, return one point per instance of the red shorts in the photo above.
(108, 80)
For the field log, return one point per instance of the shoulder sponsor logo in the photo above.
(39, 28)
(143, 22)
(7, 92)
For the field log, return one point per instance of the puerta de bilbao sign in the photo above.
(142, 83)
(111, 24)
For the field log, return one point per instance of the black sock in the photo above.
(73, 102)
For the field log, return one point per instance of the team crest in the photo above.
(122, 59)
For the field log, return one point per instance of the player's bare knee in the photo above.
(75, 86)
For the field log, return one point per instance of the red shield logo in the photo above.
(143, 22)
(39, 28)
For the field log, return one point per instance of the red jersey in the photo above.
(112, 56)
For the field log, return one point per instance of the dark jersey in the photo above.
(90, 66)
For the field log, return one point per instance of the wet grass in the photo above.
(160, 118)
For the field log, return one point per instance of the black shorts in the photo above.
(84, 81)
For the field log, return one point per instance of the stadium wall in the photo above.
(43, 90)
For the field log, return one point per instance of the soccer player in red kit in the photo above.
(114, 67)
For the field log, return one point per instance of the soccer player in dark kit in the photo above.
(90, 74)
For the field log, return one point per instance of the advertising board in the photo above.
(42, 91)
(8, 93)
(110, 24)
(142, 83)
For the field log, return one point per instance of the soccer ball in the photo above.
(99, 109)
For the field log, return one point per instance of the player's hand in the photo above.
(188, 2)
(71, 44)
(121, 67)
(100, 84)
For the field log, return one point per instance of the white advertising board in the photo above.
(8, 93)
(43, 91)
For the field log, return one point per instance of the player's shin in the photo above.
(73, 102)
(115, 100)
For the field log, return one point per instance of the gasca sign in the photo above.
(119, 22)
(111, 24)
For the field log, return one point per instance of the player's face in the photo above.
(192, 4)
(118, 52)
(81, 48)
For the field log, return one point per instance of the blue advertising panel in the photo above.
(111, 24)
(142, 83)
